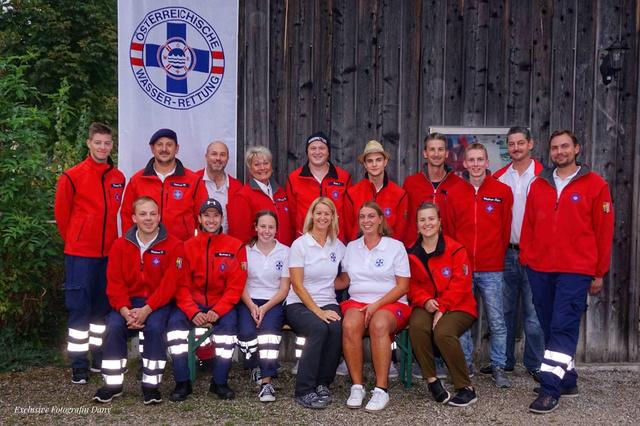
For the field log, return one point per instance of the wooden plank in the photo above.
(564, 39)
(475, 23)
(432, 48)
(496, 60)
(391, 31)
(633, 314)
(519, 64)
(540, 116)
(343, 84)
(278, 99)
(454, 64)
(322, 65)
(408, 129)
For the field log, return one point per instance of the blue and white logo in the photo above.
(489, 208)
(575, 197)
(333, 257)
(335, 194)
(155, 261)
(446, 272)
(387, 212)
(379, 262)
(177, 58)
(223, 266)
(279, 265)
(177, 194)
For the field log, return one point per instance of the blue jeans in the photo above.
(489, 285)
(517, 290)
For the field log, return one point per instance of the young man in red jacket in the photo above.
(86, 206)
(177, 190)
(432, 184)
(145, 268)
(566, 242)
(215, 268)
(317, 178)
(479, 217)
(518, 175)
(376, 186)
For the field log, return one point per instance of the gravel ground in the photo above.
(46, 396)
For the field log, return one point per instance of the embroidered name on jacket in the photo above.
(117, 185)
(336, 183)
(279, 200)
(152, 251)
(180, 184)
(492, 199)
(223, 254)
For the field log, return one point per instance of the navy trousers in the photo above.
(560, 300)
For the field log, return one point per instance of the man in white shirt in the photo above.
(516, 290)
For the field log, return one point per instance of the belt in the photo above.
(514, 246)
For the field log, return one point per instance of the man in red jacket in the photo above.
(318, 177)
(519, 174)
(376, 186)
(145, 267)
(432, 184)
(177, 190)
(479, 217)
(215, 268)
(86, 206)
(566, 242)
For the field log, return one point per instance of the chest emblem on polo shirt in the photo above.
(335, 194)
(489, 208)
(333, 257)
(155, 261)
(446, 272)
(279, 265)
(223, 266)
(379, 262)
(575, 197)
(178, 194)
(387, 212)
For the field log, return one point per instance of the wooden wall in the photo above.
(389, 69)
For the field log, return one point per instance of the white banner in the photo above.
(177, 69)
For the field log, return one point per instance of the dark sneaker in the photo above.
(151, 396)
(181, 392)
(79, 376)
(256, 376)
(106, 394)
(267, 393)
(535, 374)
(500, 378)
(311, 400)
(323, 393)
(487, 370)
(564, 392)
(96, 366)
(205, 365)
(440, 394)
(543, 404)
(464, 397)
(223, 391)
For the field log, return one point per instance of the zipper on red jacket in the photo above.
(206, 274)
(162, 200)
(475, 228)
(104, 220)
(435, 287)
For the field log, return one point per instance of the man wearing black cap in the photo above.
(318, 177)
(177, 190)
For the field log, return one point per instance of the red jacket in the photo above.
(215, 274)
(303, 188)
(448, 278)
(420, 189)
(392, 199)
(86, 207)
(234, 185)
(179, 198)
(481, 222)
(250, 200)
(572, 234)
(154, 277)
(537, 168)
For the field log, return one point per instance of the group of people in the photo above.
(335, 261)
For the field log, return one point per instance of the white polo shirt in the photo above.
(219, 194)
(519, 185)
(373, 272)
(264, 272)
(320, 268)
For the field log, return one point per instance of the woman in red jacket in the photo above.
(444, 307)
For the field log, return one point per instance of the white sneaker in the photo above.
(342, 369)
(294, 370)
(267, 393)
(393, 371)
(379, 400)
(356, 396)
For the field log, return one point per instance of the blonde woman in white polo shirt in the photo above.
(261, 313)
(376, 268)
(312, 309)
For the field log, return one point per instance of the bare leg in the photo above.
(352, 333)
(381, 328)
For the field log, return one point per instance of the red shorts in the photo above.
(399, 310)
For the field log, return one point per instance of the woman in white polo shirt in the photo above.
(312, 309)
(376, 268)
(261, 313)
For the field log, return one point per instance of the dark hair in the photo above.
(260, 214)
(435, 136)
(383, 228)
(428, 205)
(567, 132)
(520, 129)
(100, 128)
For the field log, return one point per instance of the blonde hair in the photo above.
(141, 200)
(257, 151)
(383, 228)
(308, 220)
